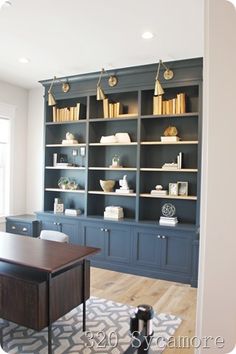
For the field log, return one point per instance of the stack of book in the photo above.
(111, 110)
(173, 106)
(170, 166)
(168, 221)
(159, 192)
(68, 113)
(169, 139)
(113, 212)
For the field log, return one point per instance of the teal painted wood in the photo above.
(135, 91)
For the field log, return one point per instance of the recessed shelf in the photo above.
(64, 168)
(169, 170)
(64, 190)
(113, 193)
(187, 197)
(64, 145)
(112, 144)
(182, 115)
(184, 142)
(113, 169)
(67, 122)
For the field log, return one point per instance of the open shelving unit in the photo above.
(129, 244)
(141, 159)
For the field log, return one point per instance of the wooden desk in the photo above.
(41, 280)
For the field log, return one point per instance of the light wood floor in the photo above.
(164, 296)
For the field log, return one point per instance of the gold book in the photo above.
(159, 105)
(71, 109)
(111, 108)
(77, 111)
(167, 107)
(155, 105)
(178, 104)
(182, 103)
(106, 108)
(173, 105)
(54, 114)
(170, 106)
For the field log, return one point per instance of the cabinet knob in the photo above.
(102, 229)
(58, 224)
(54, 223)
(158, 236)
(163, 237)
(106, 230)
(24, 229)
(13, 227)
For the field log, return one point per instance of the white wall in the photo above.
(35, 150)
(217, 285)
(17, 97)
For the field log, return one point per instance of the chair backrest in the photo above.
(52, 235)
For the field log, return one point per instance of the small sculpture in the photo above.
(124, 186)
(70, 136)
(171, 131)
(124, 183)
(159, 187)
(168, 210)
(70, 139)
(115, 162)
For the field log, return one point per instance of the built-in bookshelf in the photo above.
(129, 107)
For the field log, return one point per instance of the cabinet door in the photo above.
(94, 236)
(176, 252)
(118, 243)
(147, 248)
(72, 229)
(49, 223)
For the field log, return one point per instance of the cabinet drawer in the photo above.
(21, 228)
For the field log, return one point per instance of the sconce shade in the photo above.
(100, 94)
(158, 90)
(51, 99)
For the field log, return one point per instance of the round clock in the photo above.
(168, 210)
(112, 81)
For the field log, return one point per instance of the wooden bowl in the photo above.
(107, 185)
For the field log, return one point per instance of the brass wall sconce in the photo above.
(100, 93)
(65, 87)
(168, 75)
(51, 98)
(112, 80)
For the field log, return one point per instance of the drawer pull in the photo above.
(13, 227)
(24, 229)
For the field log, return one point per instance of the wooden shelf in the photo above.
(67, 122)
(182, 115)
(113, 169)
(188, 197)
(64, 190)
(113, 193)
(169, 170)
(115, 119)
(65, 145)
(184, 142)
(64, 168)
(112, 144)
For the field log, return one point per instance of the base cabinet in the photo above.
(153, 251)
(163, 253)
(67, 225)
(114, 241)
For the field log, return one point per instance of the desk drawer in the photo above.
(20, 228)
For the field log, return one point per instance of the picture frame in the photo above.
(182, 188)
(173, 189)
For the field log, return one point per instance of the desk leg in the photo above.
(49, 315)
(1, 334)
(84, 295)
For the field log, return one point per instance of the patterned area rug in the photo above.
(107, 331)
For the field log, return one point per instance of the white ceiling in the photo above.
(66, 37)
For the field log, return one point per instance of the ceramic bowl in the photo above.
(107, 185)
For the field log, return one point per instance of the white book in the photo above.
(170, 139)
